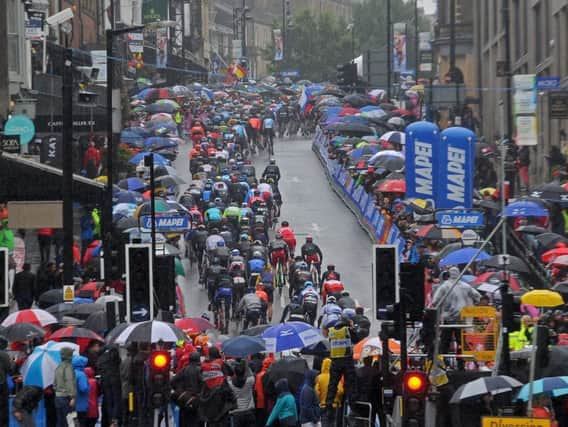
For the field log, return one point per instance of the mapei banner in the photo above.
(456, 172)
(422, 160)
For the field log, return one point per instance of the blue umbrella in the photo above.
(524, 208)
(39, 368)
(243, 346)
(463, 256)
(156, 142)
(127, 197)
(368, 108)
(144, 92)
(129, 137)
(290, 335)
(556, 386)
(132, 184)
(367, 149)
(161, 127)
(124, 209)
(158, 159)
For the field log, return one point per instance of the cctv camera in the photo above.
(90, 73)
(60, 17)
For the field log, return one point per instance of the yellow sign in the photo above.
(480, 339)
(514, 422)
(68, 293)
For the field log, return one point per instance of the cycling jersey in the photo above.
(256, 265)
(310, 296)
(213, 214)
(268, 123)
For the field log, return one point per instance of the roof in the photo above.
(23, 179)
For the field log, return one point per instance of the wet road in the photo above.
(311, 207)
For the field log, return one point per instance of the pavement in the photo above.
(311, 207)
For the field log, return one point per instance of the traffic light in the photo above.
(159, 378)
(414, 388)
(139, 283)
(347, 74)
(511, 311)
(542, 351)
(165, 283)
(385, 280)
(412, 281)
(4, 289)
(428, 331)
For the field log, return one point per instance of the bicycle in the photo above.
(269, 144)
(314, 273)
(222, 307)
(280, 279)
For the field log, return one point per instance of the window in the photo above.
(546, 24)
(13, 37)
(537, 34)
(485, 18)
(525, 26)
(496, 15)
(517, 34)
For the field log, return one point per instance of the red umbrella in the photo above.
(90, 290)
(35, 316)
(193, 325)
(349, 111)
(393, 186)
(160, 93)
(496, 277)
(554, 253)
(80, 336)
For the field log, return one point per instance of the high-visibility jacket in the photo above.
(339, 342)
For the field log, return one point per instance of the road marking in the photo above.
(315, 227)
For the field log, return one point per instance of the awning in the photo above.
(26, 180)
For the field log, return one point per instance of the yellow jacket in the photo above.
(322, 382)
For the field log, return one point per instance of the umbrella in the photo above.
(80, 336)
(394, 137)
(557, 365)
(145, 208)
(548, 256)
(102, 300)
(162, 170)
(243, 346)
(124, 209)
(157, 93)
(126, 223)
(392, 186)
(432, 231)
(549, 240)
(388, 162)
(532, 229)
(349, 111)
(79, 311)
(158, 142)
(358, 100)
(160, 108)
(169, 181)
(90, 290)
(496, 277)
(39, 368)
(126, 197)
(132, 184)
(551, 192)
(463, 256)
(158, 159)
(151, 331)
(116, 331)
(49, 298)
(561, 287)
(513, 263)
(97, 322)
(373, 346)
(525, 208)
(22, 332)
(193, 325)
(255, 330)
(542, 298)
(319, 349)
(290, 335)
(481, 386)
(561, 261)
(351, 128)
(367, 149)
(291, 368)
(546, 385)
(34, 316)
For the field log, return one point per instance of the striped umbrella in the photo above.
(554, 386)
(151, 331)
(481, 386)
(74, 334)
(39, 367)
(33, 315)
(290, 335)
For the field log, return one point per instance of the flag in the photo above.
(239, 71)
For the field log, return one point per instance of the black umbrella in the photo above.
(79, 311)
(350, 128)
(22, 332)
(357, 101)
(97, 322)
(318, 349)
(515, 263)
(331, 91)
(557, 365)
(169, 180)
(531, 229)
(389, 163)
(115, 332)
(160, 108)
(561, 287)
(551, 192)
(292, 368)
(125, 223)
(548, 240)
(255, 330)
(49, 298)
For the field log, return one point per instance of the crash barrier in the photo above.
(358, 414)
(38, 415)
(362, 204)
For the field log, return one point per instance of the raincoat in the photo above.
(82, 400)
(309, 402)
(258, 387)
(284, 410)
(322, 382)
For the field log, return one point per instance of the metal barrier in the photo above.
(352, 417)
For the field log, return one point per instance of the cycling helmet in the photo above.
(309, 239)
(396, 122)
(344, 293)
(205, 316)
(257, 243)
(308, 284)
(220, 243)
(278, 236)
(244, 237)
(348, 313)
(303, 266)
(272, 162)
(331, 300)
(285, 224)
(331, 267)
(235, 252)
(201, 227)
(214, 231)
(257, 254)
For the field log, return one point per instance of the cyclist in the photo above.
(330, 274)
(253, 130)
(331, 288)
(211, 242)
(255, 266)
(312, 253)
(213, 216)
(222, 253)
(244, 244)
(330, 312)
(288, 236)
(283, 118)
(198, 239)
(345, 301)
(255, 200)
(293, 312)
(272, 171)
(300, 276)
(267, 129)
(267, 279)
(223, 291)
(310, 299)
(250, 308)
(257, 250)
(263, 295)
(214, 271)
(278, 251)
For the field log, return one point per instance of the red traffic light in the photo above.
(415, 382)
(160, 360)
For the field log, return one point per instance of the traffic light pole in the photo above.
(403, 339)
(389, 51)
(67, 167)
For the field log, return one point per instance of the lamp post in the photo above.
(389, 50)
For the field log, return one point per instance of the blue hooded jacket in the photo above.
(309, 402)
(284, 410)
(82, 400)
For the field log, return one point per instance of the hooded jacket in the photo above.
(82, 399)
(309, 402)
(322, 382)
(64, 383)
(284, 410)
(93, 410)
(27, 399)
(259, 387)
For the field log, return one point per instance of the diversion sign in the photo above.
(514, 422)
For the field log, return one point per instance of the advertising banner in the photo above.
(278, 45)
(399, 47)
(456, 171)
(422, 160)
(161, 48)
(34, 25)
(527, 130)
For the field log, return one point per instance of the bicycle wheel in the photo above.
(222, 317)
(279, 283)
(314, 274)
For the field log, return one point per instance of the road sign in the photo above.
(460, 219)
(68, 293)
(558, 104)
(547, 83)
(168, 223)
(480, 339)
(514, 422)
(10, 143)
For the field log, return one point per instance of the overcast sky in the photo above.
(429, 6)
